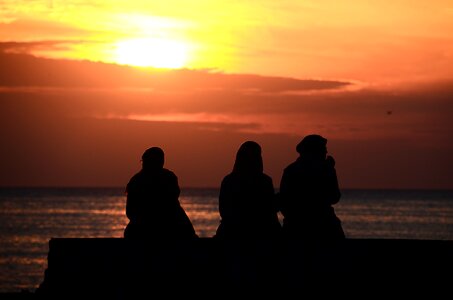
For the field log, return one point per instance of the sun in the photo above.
(153, 52)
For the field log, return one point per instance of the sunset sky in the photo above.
(87, 86)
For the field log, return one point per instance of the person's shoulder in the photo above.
(267, 180)
(168, 173)
(292, 166)
(135, 180)
(136, 176)
(267, 177)
(228, 177)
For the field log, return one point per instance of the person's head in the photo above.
(313, 146)
(153, 159)
(248, 158)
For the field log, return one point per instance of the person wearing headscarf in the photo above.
(247, 203)
(249, 228)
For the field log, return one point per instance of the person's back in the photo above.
(153, 206)
(308, 190)
(247, 207)
(247, 199)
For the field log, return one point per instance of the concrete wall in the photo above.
(112, 268)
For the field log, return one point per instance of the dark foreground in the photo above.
(112, 268)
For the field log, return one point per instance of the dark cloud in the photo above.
(27, 70)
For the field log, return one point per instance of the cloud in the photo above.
(31, 47)
(26, 70)
(210, 100)
(25, 28)
(217, 101)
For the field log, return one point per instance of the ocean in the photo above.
(30, 217)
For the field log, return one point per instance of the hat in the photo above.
(311, 143)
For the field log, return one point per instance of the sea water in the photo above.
(30, 217)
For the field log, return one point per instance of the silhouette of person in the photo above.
(247, 203)
(152, 205)
(249, 227)
(308, 190)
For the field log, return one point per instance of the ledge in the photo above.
(117, 269)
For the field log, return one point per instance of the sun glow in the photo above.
(153, 52)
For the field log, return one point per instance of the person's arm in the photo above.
(282, 196)
(273, 199)
(175, 189)
(225, 207)
(131, 204)
(333, 187)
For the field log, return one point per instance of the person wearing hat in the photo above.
(152, 204)
(308, 190)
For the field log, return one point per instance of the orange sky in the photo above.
(355, 40)
(271, 71)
